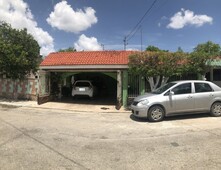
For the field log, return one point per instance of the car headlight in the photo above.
(143, 102)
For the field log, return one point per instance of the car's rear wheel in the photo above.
(216, 109)
(156, 113)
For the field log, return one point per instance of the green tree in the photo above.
(209, 48)
(179, 50)
(198, 63)
(19, 52)
(157, 67)
(70, 49)
(199, 59)
(152, 48)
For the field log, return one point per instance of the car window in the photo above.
(182, 89)
(202, 87)
(163, 88)
(82, 84)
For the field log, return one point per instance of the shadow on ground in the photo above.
(173, 118)
(87, 101)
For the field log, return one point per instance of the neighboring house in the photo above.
(214, 73)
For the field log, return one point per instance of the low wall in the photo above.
(16, 89)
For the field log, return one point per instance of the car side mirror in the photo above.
(171, 93)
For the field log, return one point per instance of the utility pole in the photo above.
(125, 43)
(102, 45)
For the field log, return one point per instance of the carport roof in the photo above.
(87, 58)
(216, 62)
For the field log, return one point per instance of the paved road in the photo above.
(33, 139)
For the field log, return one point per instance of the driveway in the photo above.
(39, 138)
(79, 105)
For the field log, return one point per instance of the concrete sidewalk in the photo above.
(63, 106)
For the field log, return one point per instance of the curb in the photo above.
(9, 105)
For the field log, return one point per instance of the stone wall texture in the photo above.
(19, 89)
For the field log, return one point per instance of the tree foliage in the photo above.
(19, 52)
(157, 67)
(209, 48)
(180, 50)
(197, 62)
(201, 57)
(70, 49)
(152, 48)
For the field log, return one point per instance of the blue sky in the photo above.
(86, 24)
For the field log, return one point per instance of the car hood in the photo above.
(147, 95)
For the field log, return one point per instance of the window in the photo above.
(182, 89)
(202, 87)
(163, 88)
(82, 84)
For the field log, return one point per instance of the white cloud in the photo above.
(65, 18)
(187, 17)
(87, 44)
(18, 14)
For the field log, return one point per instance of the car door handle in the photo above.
(190, 97)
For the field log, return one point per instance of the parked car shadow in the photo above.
(138, 119)
(173, 118)
(188, 116)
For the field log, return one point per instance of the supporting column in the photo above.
(211, 74)
(142, 85)
(125, 87)
(119, 88)
(44, 87)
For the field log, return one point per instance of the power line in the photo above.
(136, 28)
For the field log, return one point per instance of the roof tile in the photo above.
(87, 58)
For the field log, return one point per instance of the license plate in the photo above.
(81, 89)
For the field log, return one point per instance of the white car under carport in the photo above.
(83, 88)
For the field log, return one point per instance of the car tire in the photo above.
(156, 114)
(216, 109)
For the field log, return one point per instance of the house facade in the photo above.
(108, 69)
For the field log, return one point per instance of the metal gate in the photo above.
(133, 85)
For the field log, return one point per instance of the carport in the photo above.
(107, 68)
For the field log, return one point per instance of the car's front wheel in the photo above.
(156, 113)
(216, 109)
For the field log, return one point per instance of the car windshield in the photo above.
(82, 84)
(163, 88)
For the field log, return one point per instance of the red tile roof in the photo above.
(87, 58)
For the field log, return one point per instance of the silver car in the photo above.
(179, 97)
(83, 88)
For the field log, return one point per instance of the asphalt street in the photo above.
(36, 138)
